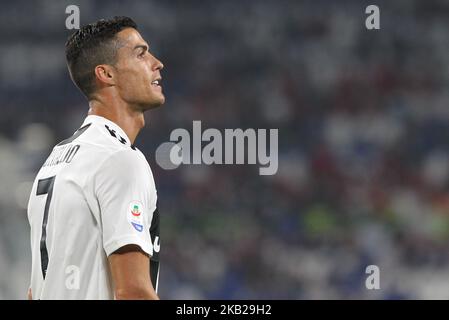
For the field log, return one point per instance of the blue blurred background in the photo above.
(363, 119)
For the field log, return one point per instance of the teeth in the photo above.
(156, 82)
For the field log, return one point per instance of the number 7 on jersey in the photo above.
(45, 186)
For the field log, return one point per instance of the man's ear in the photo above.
(105, 74)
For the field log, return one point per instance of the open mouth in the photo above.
(157, 82)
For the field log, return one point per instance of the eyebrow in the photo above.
(141, 46)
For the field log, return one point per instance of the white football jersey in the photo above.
(93, 195)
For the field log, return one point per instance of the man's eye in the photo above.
(142, 54)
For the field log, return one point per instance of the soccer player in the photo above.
(92, 210)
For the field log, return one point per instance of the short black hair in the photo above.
(91, 45)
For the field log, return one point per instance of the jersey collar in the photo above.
(111, 125)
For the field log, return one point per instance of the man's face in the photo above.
(138, 72)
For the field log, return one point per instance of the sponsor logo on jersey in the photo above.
(135, 217)
(157, 244)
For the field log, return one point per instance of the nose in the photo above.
(157, 64)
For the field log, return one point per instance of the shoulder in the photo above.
(125, 161)
(125, 171)
(127, 167)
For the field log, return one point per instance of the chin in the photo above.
(161, 100)
(154, 103)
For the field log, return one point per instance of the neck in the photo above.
(129, 120)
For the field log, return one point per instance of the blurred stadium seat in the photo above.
(363, 120)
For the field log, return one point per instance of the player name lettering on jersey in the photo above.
(62, 154)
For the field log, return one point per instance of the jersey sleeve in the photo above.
(123, 188)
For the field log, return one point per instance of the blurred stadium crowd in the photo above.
(363, 119)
